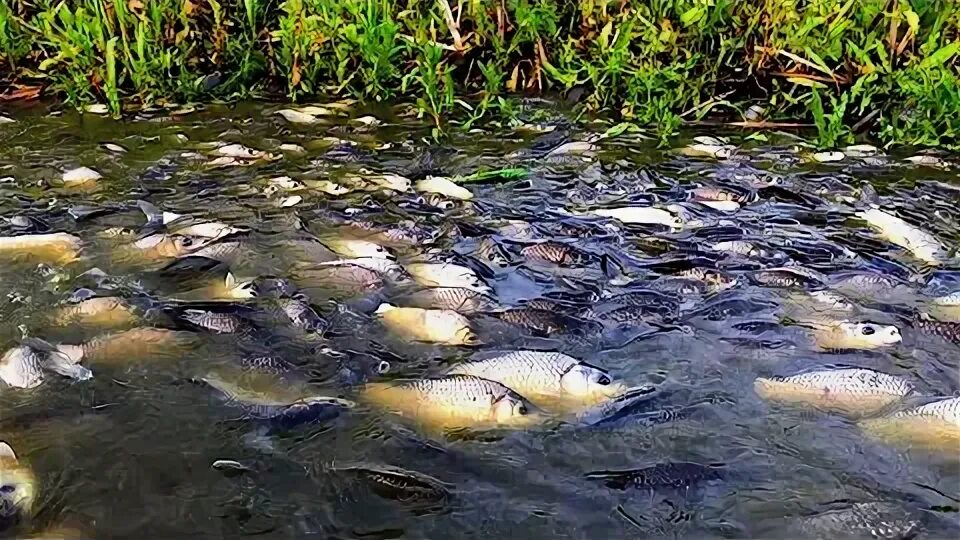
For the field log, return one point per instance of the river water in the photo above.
(129, 453)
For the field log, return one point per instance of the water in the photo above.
(129, 452)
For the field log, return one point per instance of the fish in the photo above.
(553, 252)
(298, 312)
(159, 247)
(346, 278)
(133, 345)
(445, 187)
(52, 248)
(948, 330)
(186, 225)
(491, 252)
(395, 483)
(933, 426)
(921, 244)
(945, 308)
(876, 520)
(458, 299)
(24, 366)
(79, 177)
(545, 377)
(541, 321)
(106, 312)
(739, 247)
(641, 215)
(230, 288)
(216, 322)
(347, 247)
(385, 267)
(842, 335)
(850, 391)
(453, 401)
(787, 277)
(442, 326)
(239, 151)
(446, 275)
(18, 489)
(662, 475)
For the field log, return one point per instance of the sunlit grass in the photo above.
(886, 67)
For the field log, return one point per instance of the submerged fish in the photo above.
(875, 520)
(446, 275)
(853, 391)
(454, 401)
(458, 299)
(429, 325)
(541, 321)
(102, 312)
(53, 248)
(134, 345)
(545, 377)
(346, 278)
(662, 475)
(348, 247)
(948, 330)
(405, 486)
(159, 247)
(842, 335)
(934, 426)
(553, 252)
(19, 489)
(919, 243)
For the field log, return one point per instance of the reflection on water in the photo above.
(248, 340)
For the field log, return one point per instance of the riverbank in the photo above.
(882, 68)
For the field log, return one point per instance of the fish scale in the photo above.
(947, 330)
(545, 367)
(946, 409)
(458, 390)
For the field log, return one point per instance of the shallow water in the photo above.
(129, 453)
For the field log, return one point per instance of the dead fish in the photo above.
(345, 278)
(428, 325)
(553, 252)
(80, 177)
(188, 226)
(649, 301)
(402, 485)
(631, 314)
(490, 251)
(641, 215)
(159, 247)
(445, 187)
(852, 391)
(540, 321)
(662, 475)
(445, 275)
(946, 308)
(24, 366)
(787, 277)
(101, 312)
(743, 248)
(717, 281)
(919, 243)
(216, 322)
(385, 267)
(841, 335)
(545, 377)
(457, 299)
(20, 489)
(52, 248)
(877, 520)
(714, 193)
(239, 151)
(134, 345)
(347, 247)
(230, 288)
(947, 330)
(299, 313)
(935, 426)
(454, 401)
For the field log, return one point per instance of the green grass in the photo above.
(888, 68)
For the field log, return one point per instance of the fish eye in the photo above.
(186, 241)
(383, 367)
(522, 409)
(867, 330)
(445, 205)
(6, 489)
(603, 380)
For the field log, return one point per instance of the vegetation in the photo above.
(887, 67)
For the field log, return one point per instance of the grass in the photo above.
(886, 68)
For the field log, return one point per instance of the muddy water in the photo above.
(128, 453)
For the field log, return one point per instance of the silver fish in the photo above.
(851, 390)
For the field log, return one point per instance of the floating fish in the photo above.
(553, 252)
(187, 226)
(541, 321)
(850, 335)
(52, 248)
(853, 391)
(445, 275)
(345, 278)
(920, 243)
(459, 299)
(454, 401)
(662, 475)
(19, 493)
(545, 377)
(386, 267)
(24, 366)
(445, 187)
(935, 426)
(347, 247)
(641, 215)
(102, 312)
(134, 345)
(159, 247)
(442, 326)
(80, 177)
(229, 288)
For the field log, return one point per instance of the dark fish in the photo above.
(398, 484)
(489, 251)
(662, 475)
(218, 323)
(299, 313)
(630, 314)
(756, 327)
(680, 285)
(556, 253)
(540, 321)
(878, 520)
(786, 277)
(948, 330)
(723, 308)
(651, 301)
